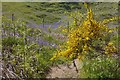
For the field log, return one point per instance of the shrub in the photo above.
(88, 37)
(91, 42)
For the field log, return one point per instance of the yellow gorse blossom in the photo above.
(81, 38)
(87, 38)
(67, 52)
(105, 21)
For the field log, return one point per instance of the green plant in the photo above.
(88, 37)
(26, 59)
(101, 67)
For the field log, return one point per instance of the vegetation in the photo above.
(89, 36)
(29, 51)
(24, 55)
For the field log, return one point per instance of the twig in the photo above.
(75, 66)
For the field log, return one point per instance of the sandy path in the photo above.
(65, 71)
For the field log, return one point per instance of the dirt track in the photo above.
(65, 71)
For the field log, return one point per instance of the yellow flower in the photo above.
(68, 42)
(110, 31)
(79, 57)
(80, 39)
(85, 48)
(106, 52)
(64, 30)
(67, 52)
(92, 34)
(72, 55)
(87, 38)
(110, 43)
(53, 58)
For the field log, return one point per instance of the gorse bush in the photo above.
(89, 36)
(88, 41)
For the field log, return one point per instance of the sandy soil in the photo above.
(65, 71)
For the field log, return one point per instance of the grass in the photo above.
(34, 11)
